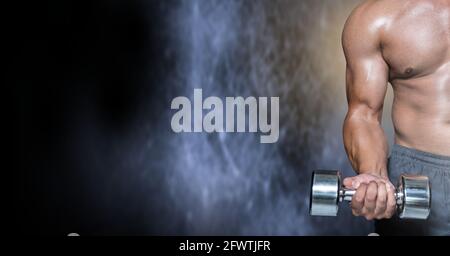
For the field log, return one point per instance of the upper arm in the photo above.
(367, 72)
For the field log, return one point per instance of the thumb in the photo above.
(349, 182)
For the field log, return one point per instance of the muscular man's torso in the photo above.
(416, 46)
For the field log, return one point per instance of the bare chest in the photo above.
(417, 45)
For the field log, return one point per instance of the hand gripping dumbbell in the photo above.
(413, 195)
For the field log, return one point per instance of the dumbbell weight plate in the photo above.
(324, 195)
(416, 197)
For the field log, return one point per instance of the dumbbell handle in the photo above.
(347, 195)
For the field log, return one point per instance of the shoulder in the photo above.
(368, 20)
(370, 11)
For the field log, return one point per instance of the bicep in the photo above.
(367, 72)
(366, 83)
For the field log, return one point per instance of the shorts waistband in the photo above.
(439, 160)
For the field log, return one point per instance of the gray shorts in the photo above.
(437, 168)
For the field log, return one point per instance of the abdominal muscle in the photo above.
(421, 113)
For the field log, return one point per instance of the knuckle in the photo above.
(362, 186)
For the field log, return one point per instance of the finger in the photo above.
(391, 204)
(390, 187)
(381, 203)
(370, 199)
(358, 199)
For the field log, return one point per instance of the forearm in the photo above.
(366, 144)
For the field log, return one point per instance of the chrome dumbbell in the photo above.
(413, 195)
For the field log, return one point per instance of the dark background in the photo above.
(94, 81)
(83, 60)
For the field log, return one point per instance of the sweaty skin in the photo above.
(405, 43)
